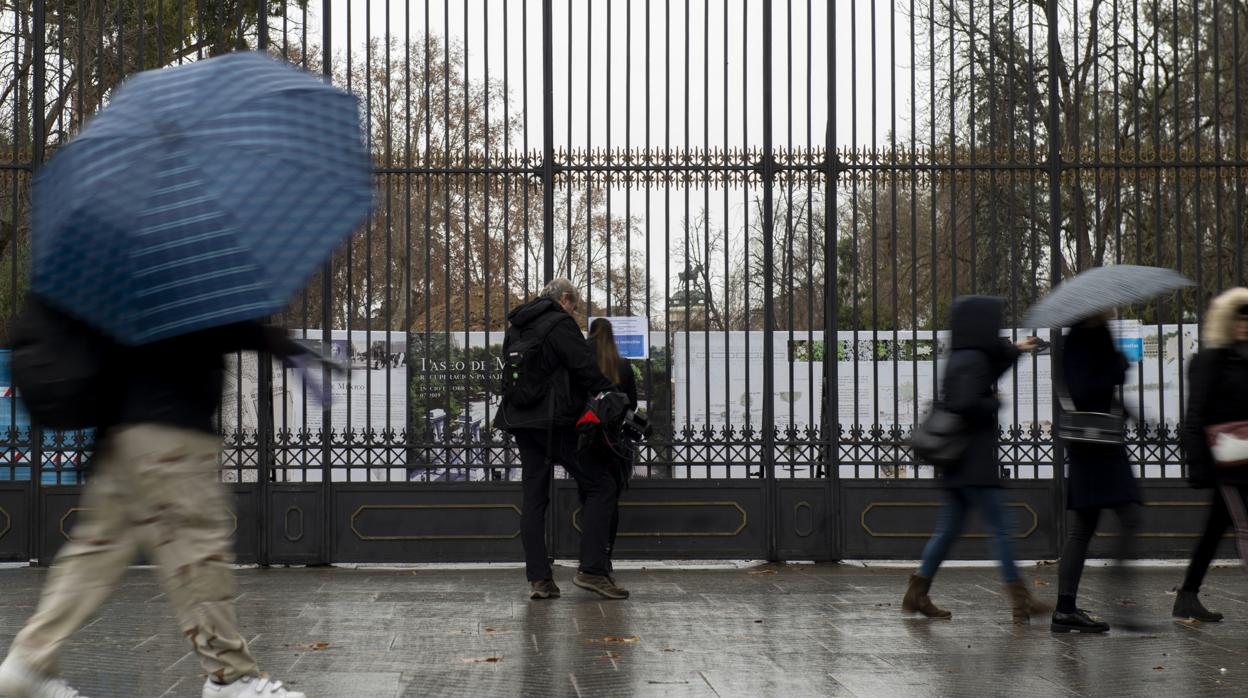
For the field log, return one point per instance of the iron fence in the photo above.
(789, 193)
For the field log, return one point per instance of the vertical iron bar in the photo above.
(1055, 224)
(769, 341)
(548, 143)
(327, 272)
(37, 140)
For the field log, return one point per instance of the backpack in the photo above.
(524, 382)
(59, 367)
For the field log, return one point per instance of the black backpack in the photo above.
(524, 382)
(59, 367)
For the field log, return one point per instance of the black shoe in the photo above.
(1187, 605)
(1077, 622)
(599, 584)
(544, 589)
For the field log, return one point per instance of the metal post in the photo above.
(768, 169)
(830, 429)
(327, 495)
(548, 221)
(548, 143)
(1055, 253)
(264, 453)
(36, 155)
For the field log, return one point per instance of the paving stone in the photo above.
(825, 630)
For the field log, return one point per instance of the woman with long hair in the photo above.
(620, 373)
(612, 365)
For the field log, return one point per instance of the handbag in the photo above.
(1228, 443)
(1092, 427)
(1087, 427)
(941, 439)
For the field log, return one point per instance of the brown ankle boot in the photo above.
(1024, 605)
(916, 600)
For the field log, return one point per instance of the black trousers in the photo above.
(597, 490)
(1075, 551)
(1216, 525)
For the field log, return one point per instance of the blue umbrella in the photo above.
(202, 195)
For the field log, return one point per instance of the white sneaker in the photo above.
(17, 680)
(249, 687)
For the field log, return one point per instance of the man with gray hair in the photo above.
(548, 375)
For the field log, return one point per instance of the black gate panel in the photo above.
(1173, 518)
(14, 521)
(61, 509)
(804, 520)
(895, 522)
(295, 524)
(397, 523)
(705, 519)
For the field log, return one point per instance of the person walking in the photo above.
(1099, 475)
(550, 372)
(155, 489)
(1218, 394)
(620, 373)
(977, 359)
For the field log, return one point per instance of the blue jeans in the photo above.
(988, 502)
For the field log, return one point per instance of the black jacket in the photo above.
(568, 361)
(977, 359)
(1217, 394)
(1093, 369)
(177, 382)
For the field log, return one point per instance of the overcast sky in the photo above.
(708, 42)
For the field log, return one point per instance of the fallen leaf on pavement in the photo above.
(482, 660)
(1159, 668)
(610, 655)
(610, 639)
(310, 645)
(1042, 583)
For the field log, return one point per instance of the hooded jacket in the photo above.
(567, 360)
(1217, 391)
(978, 357)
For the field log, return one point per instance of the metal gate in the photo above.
(789, 193)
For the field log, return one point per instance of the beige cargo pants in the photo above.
(155, 489)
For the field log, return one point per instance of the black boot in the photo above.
(1187, 605)
(1077, 622)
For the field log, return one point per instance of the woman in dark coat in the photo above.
(1217, 394)
(1099, 476)
(977, 359)
(620, 373)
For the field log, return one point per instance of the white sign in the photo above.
(632, 335)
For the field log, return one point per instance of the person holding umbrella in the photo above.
(1090, 373)
(1099, 475)
(1218, 394)
(197, 203)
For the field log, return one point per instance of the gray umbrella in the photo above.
(1100, 289)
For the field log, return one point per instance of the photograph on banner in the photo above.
(370, 395)
(239, 414)
(454, 381)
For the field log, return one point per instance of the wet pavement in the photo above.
(826, 630)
